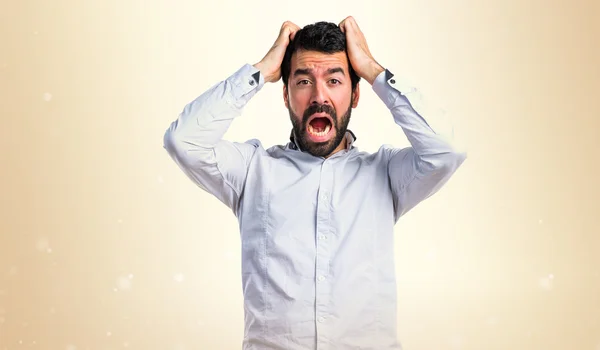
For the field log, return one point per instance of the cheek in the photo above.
(297, 103)
(341, 107)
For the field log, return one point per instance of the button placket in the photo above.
(323, 250)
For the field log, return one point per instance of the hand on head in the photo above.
(270, 65)
(359, 55)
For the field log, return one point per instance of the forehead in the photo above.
(319, 62)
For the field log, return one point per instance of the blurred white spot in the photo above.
(178, 277)
(13, 270)
(47, 96)
(108, 334)
(35, 32)
(431, 255)
(52, 310)
(160, 179)
(33, 342)
(42, 245)
(546, 282)
(2, 320)
(125, 344)
(124, 283)
(120, 221)
(201, 323)
(598, 346)
(20, 342)
(130, 276)
(115, 289)
(540, 221)
(492, 321)
(49, 250)
(71, 347)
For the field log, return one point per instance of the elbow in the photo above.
(175, 144)
(446, 163)
(452, 161)
(456, 159)
(185, 150)
(171, 141)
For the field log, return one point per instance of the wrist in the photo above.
(373, 71)
(263, 71)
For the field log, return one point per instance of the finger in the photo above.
(284, 33)
(341, 25)
(292, 30)
(286, 28)
(354, 25)
(346, 23)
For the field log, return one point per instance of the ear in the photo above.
(285, 97)
(356, 95)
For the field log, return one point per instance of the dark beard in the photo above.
(320, 149)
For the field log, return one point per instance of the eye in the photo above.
(301, 82)
(335, 81)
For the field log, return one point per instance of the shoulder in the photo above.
(383, 153)
(273, 151)
(389, 151)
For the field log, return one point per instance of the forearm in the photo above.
(204, 121)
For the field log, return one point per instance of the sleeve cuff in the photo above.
(246, 82)
(386, 86)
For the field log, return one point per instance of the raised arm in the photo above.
(416, 172)
(195, 139)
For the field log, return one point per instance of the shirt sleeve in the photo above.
(195, 139)
(419, 171)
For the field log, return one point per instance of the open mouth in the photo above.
(319, 127)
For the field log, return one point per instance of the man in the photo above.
(316, 215)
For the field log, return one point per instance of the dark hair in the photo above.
(322, 37)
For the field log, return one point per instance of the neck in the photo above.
(340, 147)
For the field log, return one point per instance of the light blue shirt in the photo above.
(317, 235)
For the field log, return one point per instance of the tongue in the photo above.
(319, 123)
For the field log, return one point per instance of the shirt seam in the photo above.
(264, 259)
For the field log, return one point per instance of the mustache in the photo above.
(319, 108)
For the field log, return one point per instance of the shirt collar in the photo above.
(350, 137)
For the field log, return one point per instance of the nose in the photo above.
(319, 95)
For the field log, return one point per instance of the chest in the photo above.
(288, 190)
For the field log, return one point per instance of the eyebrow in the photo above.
(308, 71)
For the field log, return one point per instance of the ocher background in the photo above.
(105, 244)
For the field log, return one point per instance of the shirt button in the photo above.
(251, 81)
(321, 319)
(392, 81)
(324, 196)
(321, 278)
(322, 237)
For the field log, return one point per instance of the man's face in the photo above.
(320, 100)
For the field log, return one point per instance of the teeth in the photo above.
(316, 133)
